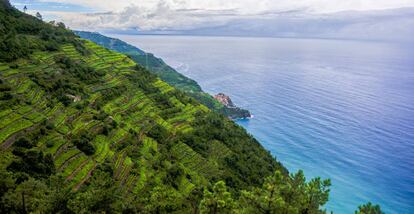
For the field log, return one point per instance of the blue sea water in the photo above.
(342, 110)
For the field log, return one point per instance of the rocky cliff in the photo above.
(236, 111)
(224, 99)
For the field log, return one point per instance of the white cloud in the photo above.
(161, 16)
(247, 6)
(189, 15)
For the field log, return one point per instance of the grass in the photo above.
(82, 174)
(5, 112)
(13, 128)
(65, 156)
(57, 143)
(6, 120)
(164, 87)
(35, 117)
(24, 86)
(24, 109)
(118, 135)
(101, 144)
(73, 165)
(54, 110)
(192, 160)
(3, 67)
(10, 72)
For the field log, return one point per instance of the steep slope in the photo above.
(165, 72)
(84, 115)
(147, 60)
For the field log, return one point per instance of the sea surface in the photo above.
(337, 109)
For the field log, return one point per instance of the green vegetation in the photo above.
(369, 208)
(86, 130)
(166, 73)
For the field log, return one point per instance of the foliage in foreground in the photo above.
(277, 195)
(369, 208)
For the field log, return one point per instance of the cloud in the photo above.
(324, 18)
(247, 6)
(161, 16)
(396, 25)
(186, 14)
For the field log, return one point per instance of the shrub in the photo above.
(23, 142)
(83, 143)
(50, 144)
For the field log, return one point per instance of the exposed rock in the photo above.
(230, 109)
(74, 98)
(225, 100)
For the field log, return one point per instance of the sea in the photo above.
(337, 109)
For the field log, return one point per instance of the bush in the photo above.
(23, 142)
(4, 88)
(6, 96)
(65, 100)
(158, 133)
(14, 66)
(50, 144)
(83, 143)
(32, 162)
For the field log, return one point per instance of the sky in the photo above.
(263, 17)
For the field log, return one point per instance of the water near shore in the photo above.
(337, 109)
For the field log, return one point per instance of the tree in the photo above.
(32, 162)
(39, 16)
(13, 46)
(218, 201)
(100, 195)
(269, 198)
(61, 25)
(287, 194)
(163, 199)
(29, 196)
(194, 198)
(369, 208)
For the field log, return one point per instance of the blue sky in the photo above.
(317, 18)
(51, 6)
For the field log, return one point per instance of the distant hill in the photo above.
(165, 72)
(110, 43)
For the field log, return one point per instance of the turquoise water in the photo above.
(342, 110)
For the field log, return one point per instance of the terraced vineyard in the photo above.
(166, 73)
(133, 112)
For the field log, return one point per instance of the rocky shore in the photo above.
(230, 108)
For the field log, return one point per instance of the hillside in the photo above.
(165, 72)
(86, 130)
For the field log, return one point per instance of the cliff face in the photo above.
(224, 99)
(231, 109)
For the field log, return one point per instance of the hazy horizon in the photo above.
(368, 20)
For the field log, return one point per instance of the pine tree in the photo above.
(369, 208)
(39, 16)
(218, 201)
(282, 194)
